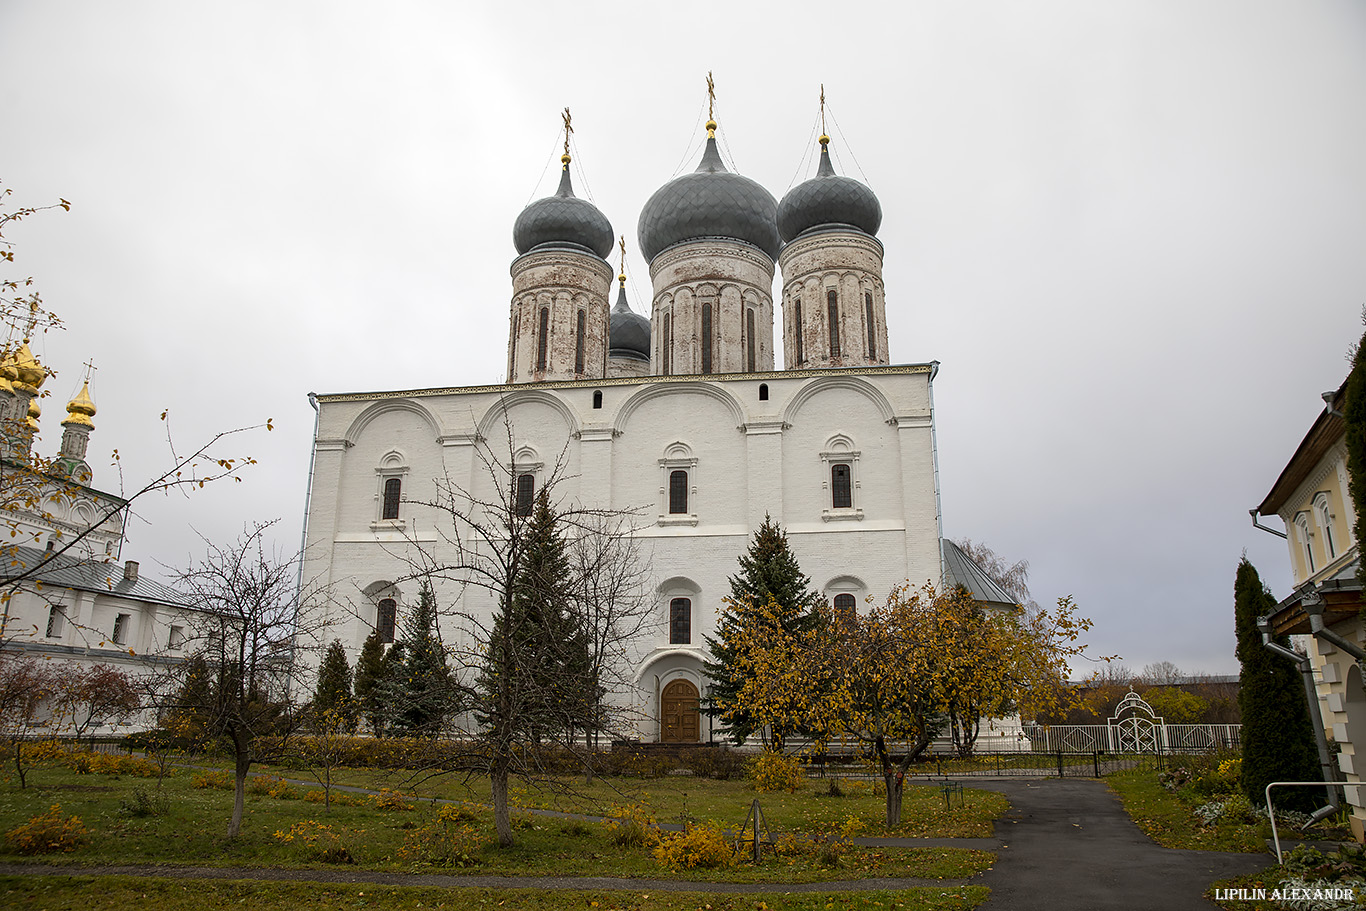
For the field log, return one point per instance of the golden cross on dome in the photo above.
(89, 368)
(622, 244)
(568, 128)
(823, 109)
(711, 97)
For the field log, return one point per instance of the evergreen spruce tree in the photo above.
(369, 673)
(769, 572)
(426, 696)
(1278, 739)
(1354, 411)
(333, 692)
(538, 648)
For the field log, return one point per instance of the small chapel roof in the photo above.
(959, 569)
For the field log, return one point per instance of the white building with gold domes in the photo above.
(683, 415)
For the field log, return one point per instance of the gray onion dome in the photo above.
(709, 202)
(563, 220)
(828, 199)
(630, 333)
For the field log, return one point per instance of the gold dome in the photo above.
(80, 409)
(31, 373)
(34, 412)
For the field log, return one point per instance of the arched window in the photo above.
(542, 338)
(1325, 520)
(393, 491)
(841, 492)
(526, 494)
(868, 321)
(1302, 523)
(763, 392)
(832, 304)
(749, 339)
(680, 621)
(706, 338)
(578, 341)
(597, 398)
(666, 350)
(844, 604)
(386, 614)
(678, 492)
(797, 319)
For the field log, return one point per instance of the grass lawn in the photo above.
(94, 893)
(1169, 821)
(190, 831)
(674, 798)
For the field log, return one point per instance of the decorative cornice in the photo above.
(561, 256)
(831, 238)
(711, 246)
(505, 388)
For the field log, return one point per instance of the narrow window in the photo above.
(668, 344)
(542, 338)
(597, 398)
(121, 629)
(797, 318)
(1326, 523)
(386, 613)
(844, 605)
(680, 621)
(832, 304)
(749, 340)
(1302, 523)
(393, 491)
(177, 638)
(56, 621)
(868, 320)
(706, 338)
(526, 494)
(841, 494)
(678, 492)
(763, 392)
(512, 348)
(578, 342)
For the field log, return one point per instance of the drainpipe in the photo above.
(1311, 693)
(1312, 602)
(1256, 524)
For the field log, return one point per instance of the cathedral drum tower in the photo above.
(834, 311)
(560, 284)
(711, 238)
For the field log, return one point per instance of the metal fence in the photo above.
(1134, 736)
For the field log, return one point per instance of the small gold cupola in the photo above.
(80, 409)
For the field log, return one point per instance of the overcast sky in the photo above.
(1133, 234)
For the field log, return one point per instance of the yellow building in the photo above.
(1311, 497)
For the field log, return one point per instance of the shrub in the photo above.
(774, 772)
(218, 779)
(86, 762)
(340, 798)
(632, 826)
(576, 828)
(141, 803)
(390, 800)
(47, 833)
(720, 763)
(323, 842)
(701, 844)
(1235, 808)
(449, 841)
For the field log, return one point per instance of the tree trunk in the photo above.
(19, 763)
(239, 795)
(893, 781)
(502, 821)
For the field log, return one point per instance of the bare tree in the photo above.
(536, 671)
(1162, 673)
(87, 698)
(236, 686)
(25, 685)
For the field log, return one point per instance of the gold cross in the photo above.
(822, 108)
(711, 97)
(623, 256)
(89, 369)
(568, 128)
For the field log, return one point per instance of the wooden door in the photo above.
(680, 722)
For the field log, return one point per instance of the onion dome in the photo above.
(563, 220)
(8, 373)
(80, 409)
(629, 336)
(709, 202)
(34, 413)
(31, 373)
(826, 200)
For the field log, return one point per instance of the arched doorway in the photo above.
(679, 719)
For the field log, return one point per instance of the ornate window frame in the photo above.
(526, 461)
(393, 465)
(839, 450)
(678, 456)
(1306, 538)
(1323, 515)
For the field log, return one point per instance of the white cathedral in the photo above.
(683, 415)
